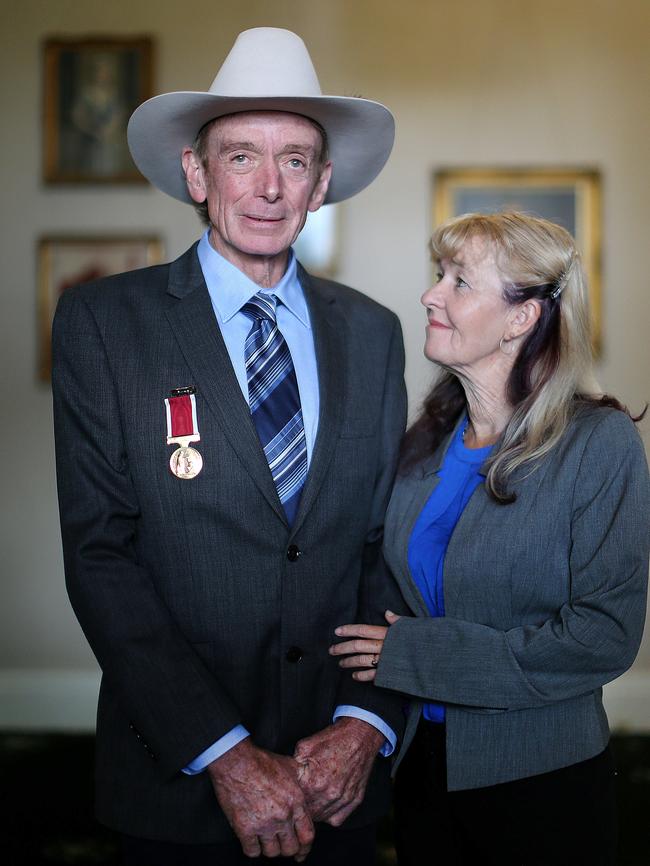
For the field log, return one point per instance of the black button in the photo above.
(294, 654)
(293, 552)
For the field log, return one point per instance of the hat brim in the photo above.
(360, 135)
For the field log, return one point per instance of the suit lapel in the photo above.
(409, 512)
(329, 331)
(419, 491)
(193, 322)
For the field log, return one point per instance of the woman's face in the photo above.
(467, 315)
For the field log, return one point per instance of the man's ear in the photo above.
(320, 189)
(524, 317)
(193, 171)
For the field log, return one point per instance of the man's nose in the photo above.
(269, 180)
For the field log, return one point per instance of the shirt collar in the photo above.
(230, 289)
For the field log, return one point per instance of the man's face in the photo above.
(262, 175)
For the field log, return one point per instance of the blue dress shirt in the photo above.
(229, 290)
(459, 477)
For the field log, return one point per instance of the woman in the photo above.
(518, 532)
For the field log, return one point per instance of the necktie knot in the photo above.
(261, 306)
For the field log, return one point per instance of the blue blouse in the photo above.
(459, 477)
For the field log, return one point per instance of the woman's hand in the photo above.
(364, 650)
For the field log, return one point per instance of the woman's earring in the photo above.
(503, 342)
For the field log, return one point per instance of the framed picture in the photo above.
(571, 198)
(67, 261)
(91, 88)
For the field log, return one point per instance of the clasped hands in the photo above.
(272, 801)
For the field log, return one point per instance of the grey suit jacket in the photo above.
(204, 609)
(544, 602)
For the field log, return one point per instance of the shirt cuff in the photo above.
(365, 716)
(216, 750)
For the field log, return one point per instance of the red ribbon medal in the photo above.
(183, 428)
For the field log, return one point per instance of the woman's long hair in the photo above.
(553, 373)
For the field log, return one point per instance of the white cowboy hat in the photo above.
(267, 69)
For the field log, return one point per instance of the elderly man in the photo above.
(235, 425)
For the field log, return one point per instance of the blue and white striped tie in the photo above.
(275, 402)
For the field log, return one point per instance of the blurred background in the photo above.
(495, 84)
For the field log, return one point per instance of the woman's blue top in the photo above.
(459, 477)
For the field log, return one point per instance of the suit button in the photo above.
(293, 552)
(294, 654)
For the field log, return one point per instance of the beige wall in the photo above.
(487, 82)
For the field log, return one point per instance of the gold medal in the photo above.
(186, 462)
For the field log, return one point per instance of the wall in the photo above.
(488, 82)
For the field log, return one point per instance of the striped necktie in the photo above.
(275, 402)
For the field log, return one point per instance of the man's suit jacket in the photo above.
(545, 602)
(204, 609)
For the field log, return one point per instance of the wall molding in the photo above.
(66, 701)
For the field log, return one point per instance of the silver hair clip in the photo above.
(561, 282)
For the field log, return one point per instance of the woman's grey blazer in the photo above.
(545, 602)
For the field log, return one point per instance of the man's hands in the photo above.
(272, 801)
(333, 768)
(261, 798)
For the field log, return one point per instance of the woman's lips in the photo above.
(433, 323)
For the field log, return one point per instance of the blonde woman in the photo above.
(518, 532)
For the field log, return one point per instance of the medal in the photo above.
(183, 428)
(186, 462)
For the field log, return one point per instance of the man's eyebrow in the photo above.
(233, 144)
(299, 148)
(228, 145)
(237, 145)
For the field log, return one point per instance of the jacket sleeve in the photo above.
(596, 632)
(170, 698)
(379, 591)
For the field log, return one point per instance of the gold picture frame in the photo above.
(570, 197)
(65, 261)
(91, 86)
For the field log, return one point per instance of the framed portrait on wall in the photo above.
(68, 261)
(570, 197)
(91, 87)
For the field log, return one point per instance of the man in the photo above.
(209, 579)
